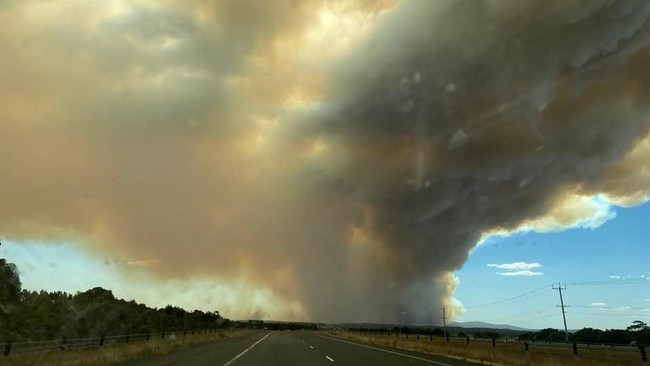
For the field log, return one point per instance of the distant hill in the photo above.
(484, 325)
(453, 327)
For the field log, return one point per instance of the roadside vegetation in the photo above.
(505, 352)
(119, 354)
(37, 316)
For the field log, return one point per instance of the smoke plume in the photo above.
(347, 156)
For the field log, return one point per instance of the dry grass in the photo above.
(116, 354)
(511, 353)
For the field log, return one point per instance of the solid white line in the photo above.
(387, 351)
(246, 350)
(328, 357)
(312, 347)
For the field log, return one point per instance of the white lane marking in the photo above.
(246, 350)
(387, 351)
(328, 357)
(312, 347)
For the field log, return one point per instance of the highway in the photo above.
(293, 348)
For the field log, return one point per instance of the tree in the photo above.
(528, 336)
(615, 336)
(588, 335)
(34, 316)
(487, 335)
(9, 282)
(640, 332)
(10, 295)
(550, 334)
(637, 326)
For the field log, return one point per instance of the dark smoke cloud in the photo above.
(468, 116)
(160, 135)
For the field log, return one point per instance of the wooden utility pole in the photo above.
(559, 288)
(444, 320)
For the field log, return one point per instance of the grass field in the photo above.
(510, 353)
(115, 354)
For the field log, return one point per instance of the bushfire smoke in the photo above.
(347, 156)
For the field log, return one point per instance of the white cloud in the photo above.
(615, 277)
(520, 273)
(622, 308)
(598, 304)
(516, 266)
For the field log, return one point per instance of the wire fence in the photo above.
(78, 344)
(576, 348)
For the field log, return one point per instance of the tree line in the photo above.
(41, 315)
(637, 333)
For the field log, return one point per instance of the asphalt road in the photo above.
(293, 348)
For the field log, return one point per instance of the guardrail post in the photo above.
(467, 339)
(575, 349)
(147, 339)
(644, 357)
(64, 344)
(431, 337)
(7, 348)
(126, 340)
(163, 334)
(494, 343)
(417, 336)
(185, 333)
(526, 346)
(447, 336)
(101, 341)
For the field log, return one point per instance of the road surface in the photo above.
(294, 348)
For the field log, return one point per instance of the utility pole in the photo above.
(559, 288)
(444, 320)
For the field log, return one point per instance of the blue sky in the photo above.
(615, 253)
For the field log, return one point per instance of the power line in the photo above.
(526, 295)
(615, 308)
(526, 314)
(605, 314)
(628, 281)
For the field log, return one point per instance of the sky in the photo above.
(604, 270)
(328, 160)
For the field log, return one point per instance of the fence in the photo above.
(77, 344)
(526, 346)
